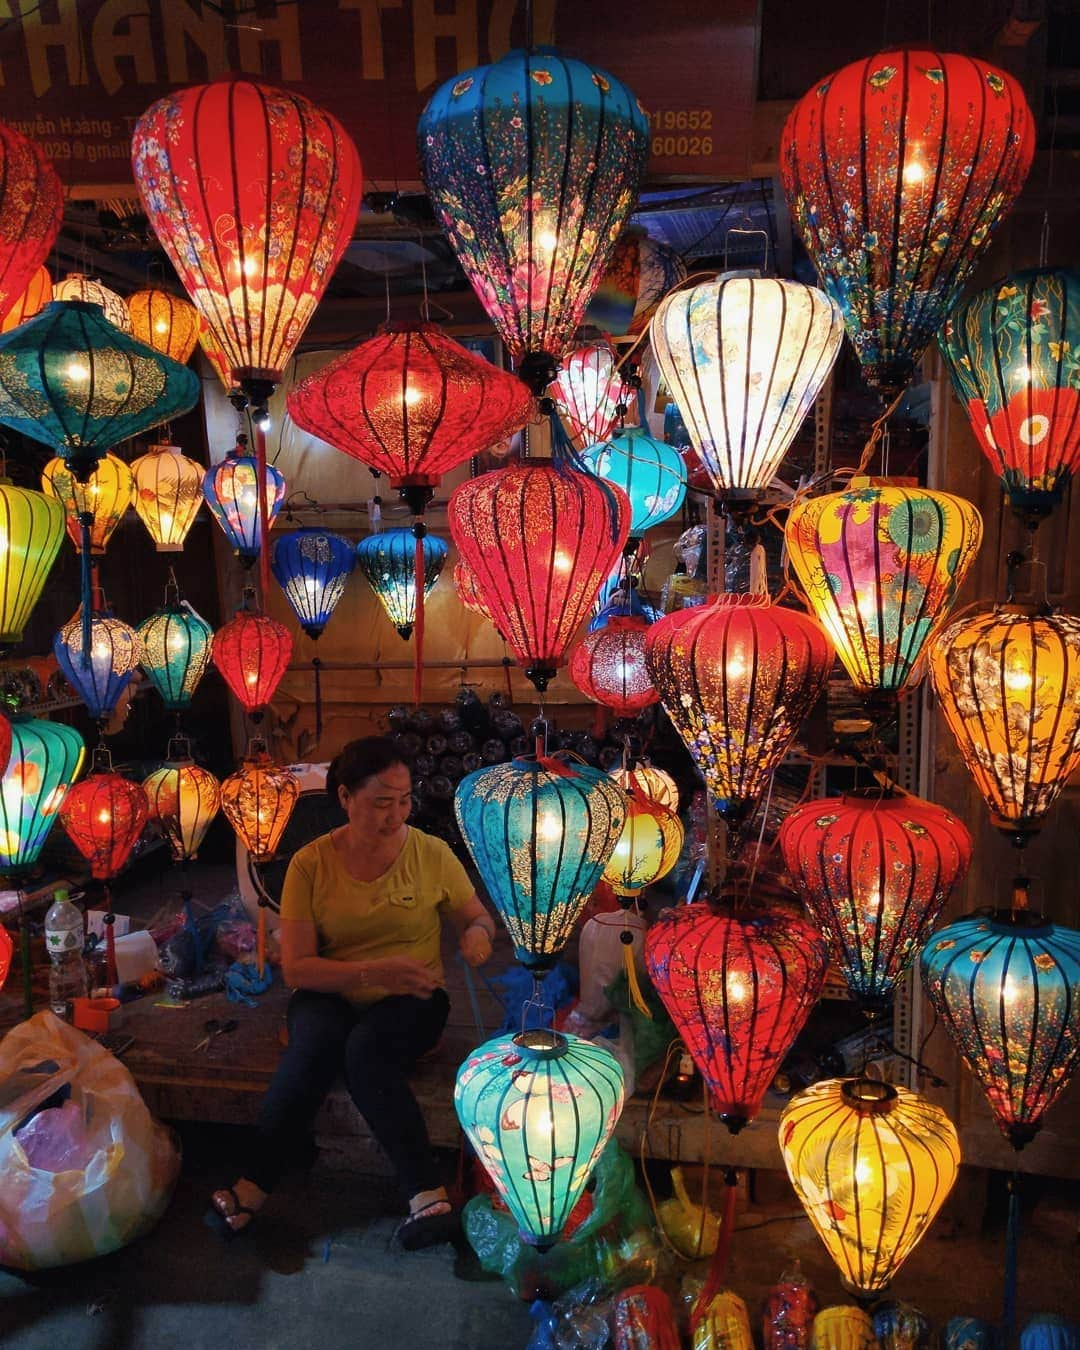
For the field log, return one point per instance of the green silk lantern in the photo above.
(45, 760)
(177, 645)
(387, 561)
(651, 474)
(31, 532)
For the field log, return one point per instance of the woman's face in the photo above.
(380, 807)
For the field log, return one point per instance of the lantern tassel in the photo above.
(419, 531)
(316, 666)
(718, 1265)
(260, 940)
(264, 524)
(633, 984)
(1012, 1246)
(111, 977)
(86, 521)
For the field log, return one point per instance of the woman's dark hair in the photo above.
(360, 760)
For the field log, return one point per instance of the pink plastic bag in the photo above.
(55, 1140)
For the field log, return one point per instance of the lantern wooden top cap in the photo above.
(868, 1096)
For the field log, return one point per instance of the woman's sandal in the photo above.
(425, 1228)
(219, 1221)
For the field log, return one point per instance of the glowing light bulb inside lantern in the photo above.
(547, 241)
(103, 817)
(311, 585)
(735, 668)
(1022, 374)
(1017, 677)
(736, 989)
(863, 1172)
(563, 561)
(78, 372)
(1010, 991)
(412, 396)
(914, 172)
(252, 678)
(250, 267)
(872, 904)
(174, 643)
(866, 603)
(541, 1123)
(247, 497)
(101, 651)
(55, 800)
(160, 326)
(166, 518)
(549, 829)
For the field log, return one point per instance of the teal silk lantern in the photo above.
(233, 498)
(540, 832)
(45, 761)
(100, 676)
(388, 562)
(651, 474)
(312, 567)
(176, 647)
(539, 1109)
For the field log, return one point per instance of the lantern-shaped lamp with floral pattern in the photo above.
(608, 666)
(258, 801)
(102, 676)
(105, 496)
(233, 498)
(104, 816)
(648, 847)
(311, 567)
(651, 474)
(176, 645)
(168, 494)
(31, 207)
(388, 562)
(165, 322)
(183, 798)
(86, 291)
(590, 394)
(252, 653)
(651, 782)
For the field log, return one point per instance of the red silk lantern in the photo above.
(467, 592)
(252, 653)
(608, 666)
(590, 393)
(739, 988)
(104, 816)
(31, 208)
(539, 541)
(875, 870)
(5, 742)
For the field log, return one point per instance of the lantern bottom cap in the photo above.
(540, 676)
(168, 548)
(538, 1244)
(865, 1298)
(735, 1123)
(1020, 1133)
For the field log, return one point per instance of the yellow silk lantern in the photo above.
(164, 322)
(168, 494)
(648, 847)
(872, 1164)
(650, 782)
(106, 495)
(31, 529)
(184, 799)
(33, 300)
(258, 801)
(843, 1328)
(75, 286)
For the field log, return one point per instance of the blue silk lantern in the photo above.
(539, 1109)
(967, 1333)
(176, 649)
(388, 561)
(312, 567)
(651, 474)
(100, 677)
(45, 760)
(540, 832)
(233, 498)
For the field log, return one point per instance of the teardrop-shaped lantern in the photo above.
(1009, 685)
(648, 847)
(31, 532)
(871, 1163)
(104, 817)
(540, 833)
(184, 799)
(608, 666)
(176, 644)
(539, 1109)
(168, 494)
(1013, 351)
(1006, 985)
(165, 322)
(651, 474)
(45, 761)
(897, 168)
(253, 192)
(538, 540)
(231, 493)
(739, 988)
(31, 209)
(387, 561)
(33, 300)
(651, 782)
(744, 358)
(532, 165)
(311, 567)
(881, 567)
(640, 273)
(410, 403)
(875, 870)
(258, 801)
(737, 676)
(105, 496)
(252, 653)
(590, 394)
(102, 676)
(85, 291)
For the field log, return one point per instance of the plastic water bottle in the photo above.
(64, 940)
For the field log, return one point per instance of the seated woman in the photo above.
(361, 912)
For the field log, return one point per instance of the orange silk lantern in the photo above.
(164, 322)
(105, 496)
(33, 300)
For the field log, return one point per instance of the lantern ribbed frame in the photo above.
(183, 800)
(648, 847)
(651, 474)
(589, 391)
(875, 872)
(872, 1164)
(177, 645)
(468, 592)
(31, 532)
(539, 1109)
(165, 322)
(532, 165)
(410, 403)
(897, 169)
(739, 987)
(650, 782)
(737, 676)
(232, 494)
(881, 567)
(388, 562)
(744, 358)
(167, 493)
(106, 495)
(312, 567)
(258, 801)
(115, 653)
(1013, 351)
(540, 833)
(85, 291)
(1009, 686)
(640, 272)
(104, 817)
(1007, 989)
(538, 541)
(252, 652)
(32, 301)
(45, 760)
(31, 209)
(608, 666)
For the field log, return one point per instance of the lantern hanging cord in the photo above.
(1044, 233)
(880, 1042)
(1012, 1251)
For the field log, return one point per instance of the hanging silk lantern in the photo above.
(651, 474)
(739, 988)
(1009, 686)
(608, 666)
(648, 848)
(737, 676)
(387, 561)
(231, 493)
(70, 378)
(104, 817)
(538, 540)
(45, 760)
(115, 652)
(880, 567)
(640, 273)
(33, 300)
(176, 645)
(875, 870)
(1013, 352)
(412, 404)
(105, 496)
(590, 394)
(252, 652)
(168, 494)
(539, 1109)
(650, 782)
(84, 291)
(871, 1163)
(31, 209)
(258, 801)
(897, 169)
(468, 592)
(215, 354)
(540, 832)
(744, 358)
(532, 165)
(312, 567)
(183, 798)
(165, 322)
(31, 532)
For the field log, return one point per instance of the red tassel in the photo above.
(264, 522)
(111, 977)
(718, 1265)
(506, 671)
(418, 624)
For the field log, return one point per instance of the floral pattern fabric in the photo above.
(388, 562)
(31, 209)
(651, 474)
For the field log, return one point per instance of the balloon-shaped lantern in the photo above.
(104, 816)
(538, 540)
(539, 1109)
(176, 644)
(168, 494)
(590, 394)
(183, 798)
(1009, 685)
(165, 322)
(871, 1164)
(85, 291)
(641, 272)
(258, 801)
(744, 358)
(31, 532)
(651, 474)
(388, 562)
(1012, 351)
(105, 496)
(532, 165)
(540, 832)
(252, 653)
(875, 869)
(233, 498)
(33, 300)
(648, 847)
(897, 168)
(101, 677)
(608, 666)
(881, 567)
(651, 782)
(31, 209)
(45, 760)
(737, 676)
(311, 567)
(739, 988)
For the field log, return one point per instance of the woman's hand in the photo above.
(475, 945)
(400, 975)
